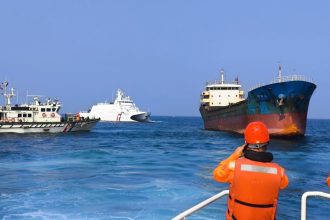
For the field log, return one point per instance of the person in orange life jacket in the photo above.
(254, 179)
(328, 181)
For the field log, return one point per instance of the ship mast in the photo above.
(9, 95)
(279, 73)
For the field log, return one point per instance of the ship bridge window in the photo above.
(24, 115)
(19, 115)
(42, 109)
(29, 115)
(48, 110)
(53, 109)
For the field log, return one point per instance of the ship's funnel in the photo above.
(222, 72)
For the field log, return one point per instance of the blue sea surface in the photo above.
(126, 171)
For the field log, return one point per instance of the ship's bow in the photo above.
(282, 106)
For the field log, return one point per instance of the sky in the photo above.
(160, 53)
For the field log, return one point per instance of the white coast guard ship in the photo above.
(122, 109)
(38, 117)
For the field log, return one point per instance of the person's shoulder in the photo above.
(277, 164)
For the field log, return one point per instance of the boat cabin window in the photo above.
(48, 109)
(53, 109)
(24, 115)
(222, 88)
(42, 109)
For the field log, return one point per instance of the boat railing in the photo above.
(217, 83)
(286, 79)
(292, 78)
(194, 209)
(304, 201)
(183, 215)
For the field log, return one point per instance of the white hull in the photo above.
(119, 117)
(54, 127)
(122, 109)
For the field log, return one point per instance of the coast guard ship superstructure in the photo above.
(123, 109)
(38, 116)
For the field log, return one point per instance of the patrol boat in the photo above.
(123, 109)
(38, 116)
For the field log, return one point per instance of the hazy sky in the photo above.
(160, 53)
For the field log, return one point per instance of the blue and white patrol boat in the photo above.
(38, 116)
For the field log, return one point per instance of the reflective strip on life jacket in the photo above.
(259, 169)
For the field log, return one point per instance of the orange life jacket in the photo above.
(254, 190)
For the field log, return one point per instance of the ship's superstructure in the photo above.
(123, 109)
(220, 93)
(37, 116)
(282, 105)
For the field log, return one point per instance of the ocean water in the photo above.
(125, 171)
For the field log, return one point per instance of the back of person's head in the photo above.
(256, 134)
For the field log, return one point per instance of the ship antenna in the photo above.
(222, 72)
(9, 95)
(279, 73)
(27, 95)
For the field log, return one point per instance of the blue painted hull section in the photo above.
(280, 98)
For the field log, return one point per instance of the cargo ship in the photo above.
(282, 105)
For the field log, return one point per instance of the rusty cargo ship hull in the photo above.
(282, 106)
